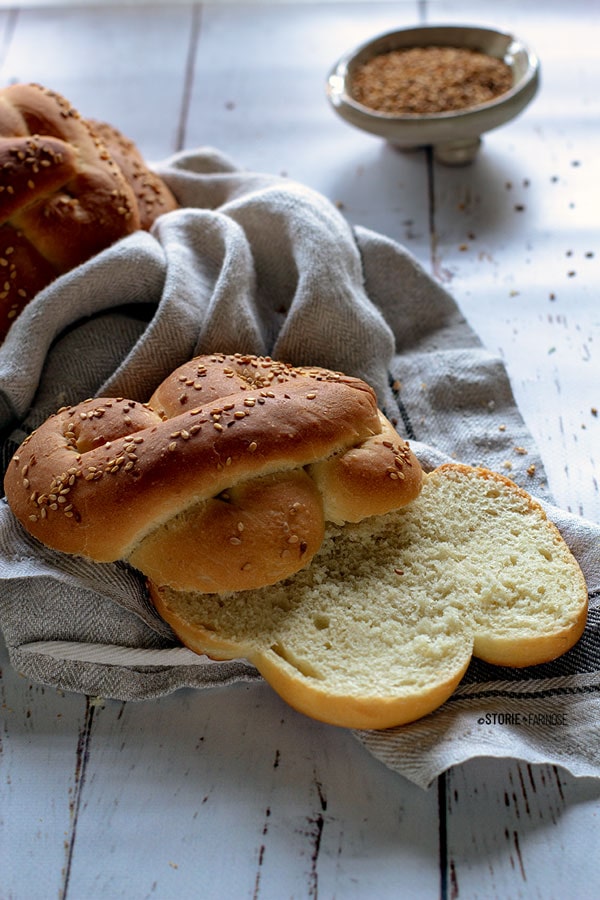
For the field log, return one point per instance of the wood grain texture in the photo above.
(43, 758)
(508, 822)
(516, 241)
(124, 65)
(232, 784)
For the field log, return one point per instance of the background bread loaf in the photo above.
(63, 195)
(380, 628)
(152, 196)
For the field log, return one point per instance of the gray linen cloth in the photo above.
(259, 264)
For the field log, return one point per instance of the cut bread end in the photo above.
(379, 629)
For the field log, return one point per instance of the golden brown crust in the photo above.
(207, 379)
(255, 533)
(366, 712)
(174, 463)
(146, 471)
(24, 272)
(368, 478)
(63, 197)
(152, 194)
(346, 479)
(501, 650)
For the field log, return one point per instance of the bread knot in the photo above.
(222, 481)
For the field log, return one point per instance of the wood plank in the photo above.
(519, 830)
(516, 241)
(125, 65)
(8, 19)
(230, 790)
(43, 750)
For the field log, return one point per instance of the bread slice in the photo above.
(379, 629)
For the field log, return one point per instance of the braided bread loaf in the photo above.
(223, 481)
(63, 196)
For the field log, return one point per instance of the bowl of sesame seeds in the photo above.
(442, 86)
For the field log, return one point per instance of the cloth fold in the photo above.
(259, 264)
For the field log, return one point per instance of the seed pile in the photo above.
(428, 80)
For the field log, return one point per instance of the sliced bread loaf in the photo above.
(380, 628)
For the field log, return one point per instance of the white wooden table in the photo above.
(228, 793)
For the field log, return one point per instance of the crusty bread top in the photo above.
(380, 628)
(153, 196)
(164, 474)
